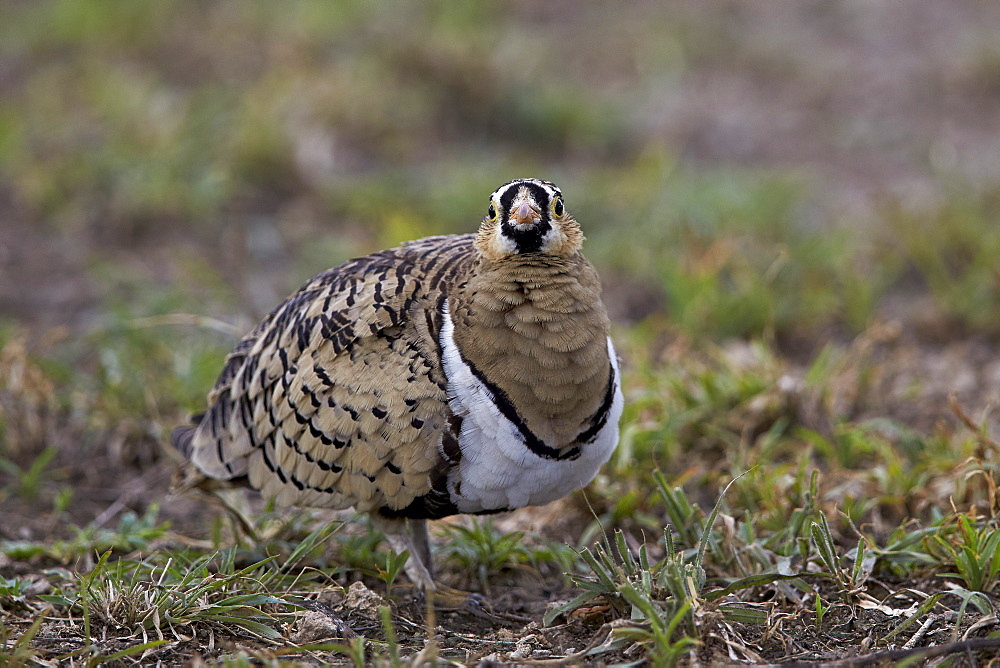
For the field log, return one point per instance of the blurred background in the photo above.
(796, 175)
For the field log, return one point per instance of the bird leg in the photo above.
(410, 535)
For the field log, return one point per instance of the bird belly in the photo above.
(495, 474)
(498, 470)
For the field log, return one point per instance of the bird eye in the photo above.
(491, 213)
(557, 206)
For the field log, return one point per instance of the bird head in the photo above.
(528, 216)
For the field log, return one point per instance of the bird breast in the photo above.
(503, 464)
(534, 377)
(538, 332)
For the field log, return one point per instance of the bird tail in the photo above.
(188, 476)
(183, 436)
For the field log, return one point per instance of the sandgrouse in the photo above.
(454, 374)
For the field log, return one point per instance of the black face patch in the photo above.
(526, 241)
(530, 240)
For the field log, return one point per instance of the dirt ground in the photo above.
(873, 100)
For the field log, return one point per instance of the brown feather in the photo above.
(318, 404)
(339, 398)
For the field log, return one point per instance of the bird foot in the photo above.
(448, 599)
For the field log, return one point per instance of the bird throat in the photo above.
(528, 240)
(536, 328)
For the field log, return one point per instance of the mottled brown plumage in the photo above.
(466, 373)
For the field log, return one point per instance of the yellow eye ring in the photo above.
(557, 206)
(491, 213)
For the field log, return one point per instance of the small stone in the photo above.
(521, 651)
(362, 599)
(315, 626)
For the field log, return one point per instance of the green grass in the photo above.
(483, 553)
(133, 533)
(164, 595)
(778, 475)
(793, 526)
(954, 251)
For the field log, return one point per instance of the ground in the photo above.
(794, 211)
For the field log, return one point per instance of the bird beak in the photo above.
(525, 215)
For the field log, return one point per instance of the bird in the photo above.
(455, 374)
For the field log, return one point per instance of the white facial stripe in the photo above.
(551, 238)
(548, 187)
(504, 243)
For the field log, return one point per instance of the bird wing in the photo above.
(337, 398)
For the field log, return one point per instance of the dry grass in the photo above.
(800, 261)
